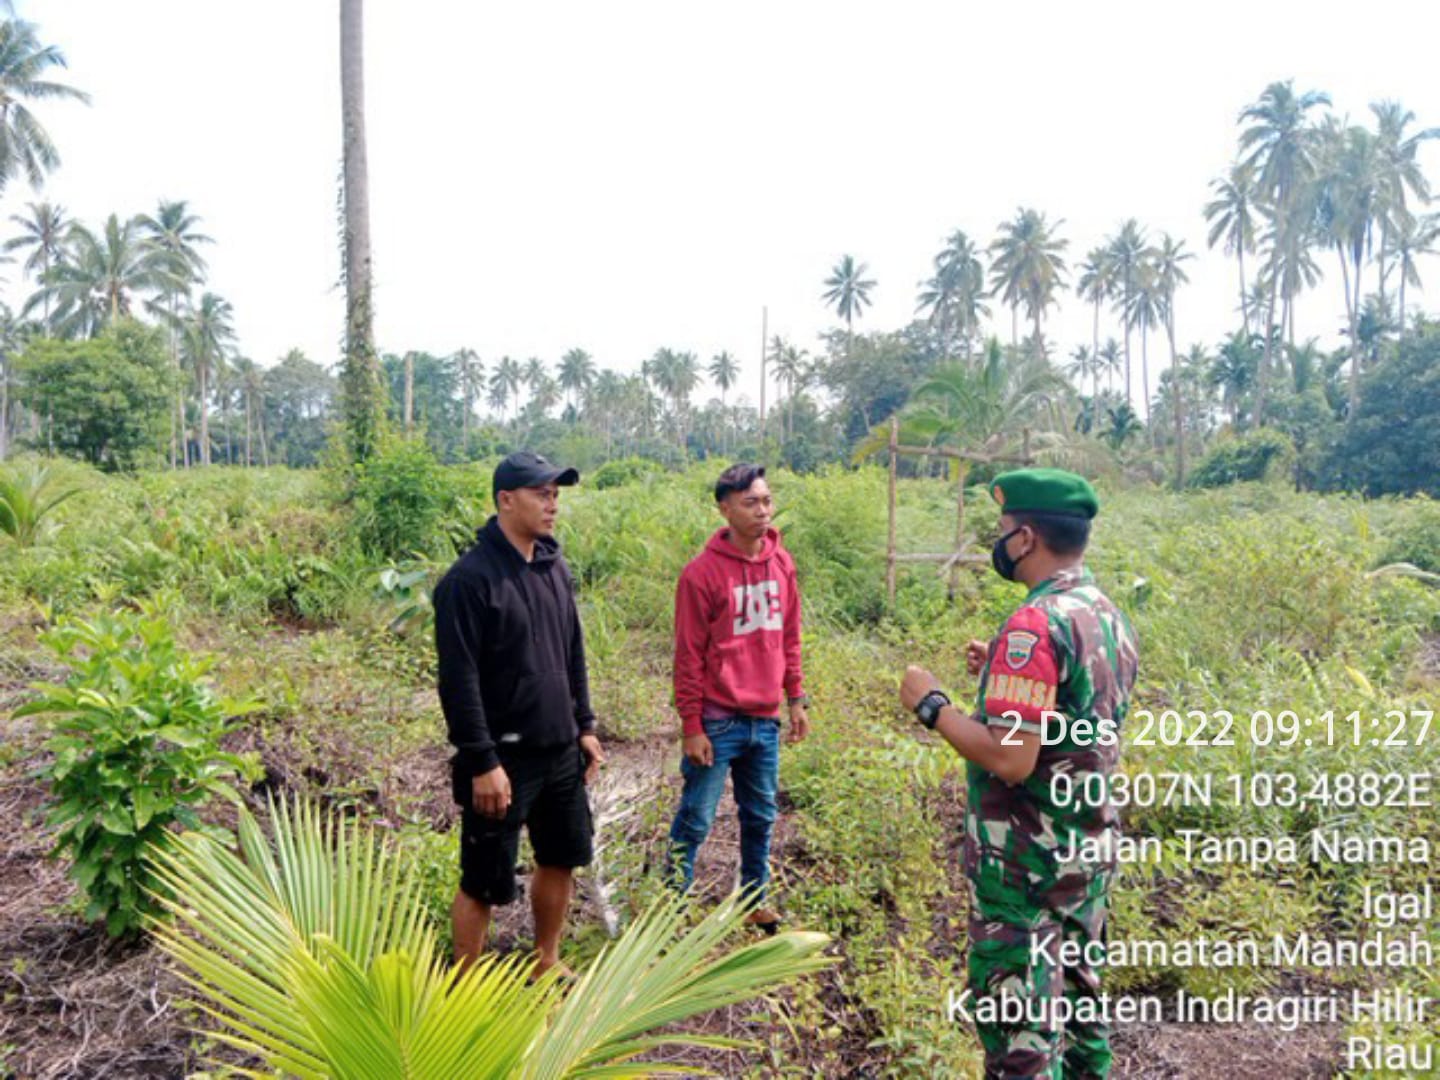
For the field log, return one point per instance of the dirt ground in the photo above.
(77, 1005)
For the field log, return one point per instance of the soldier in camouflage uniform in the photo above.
(1067, 654)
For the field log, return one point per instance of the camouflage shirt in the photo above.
(1068, 650)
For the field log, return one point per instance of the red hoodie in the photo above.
(737, 631)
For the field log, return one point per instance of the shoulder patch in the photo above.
(1019, 645)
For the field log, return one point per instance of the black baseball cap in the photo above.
(525, 468)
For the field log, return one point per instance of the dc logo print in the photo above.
(757, 607)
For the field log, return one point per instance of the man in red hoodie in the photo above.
(737, 654)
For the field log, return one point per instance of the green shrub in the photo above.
(622, 471)
(135, 735)
(401, 500)
(1415, 536)
(1260, 455)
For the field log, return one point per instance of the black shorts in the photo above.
(547, 795)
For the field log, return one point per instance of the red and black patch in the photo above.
(1023, 672)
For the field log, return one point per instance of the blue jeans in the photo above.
(749, 747)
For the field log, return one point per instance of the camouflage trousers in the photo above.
(1015, 950)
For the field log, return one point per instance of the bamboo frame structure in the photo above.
(950, 561)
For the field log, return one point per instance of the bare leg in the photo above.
(550, 890)
(470, 924)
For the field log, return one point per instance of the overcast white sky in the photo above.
(622, 176)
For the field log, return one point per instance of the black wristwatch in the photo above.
(929, 708)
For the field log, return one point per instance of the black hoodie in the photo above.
(511, 651)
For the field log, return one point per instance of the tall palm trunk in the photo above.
(362, 388)
(1125, 318)
(204, 374)
(1244, 301)
(248, 459)
(1177, 385)
(1095, 348)
(224, 395)
(1382, 262)
(177, 418)
(1358, 254)
(1145, 370)
(1262, 376)
(1402, 301)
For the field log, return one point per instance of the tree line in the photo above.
(1306, 189)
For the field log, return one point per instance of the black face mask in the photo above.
(1000, 558)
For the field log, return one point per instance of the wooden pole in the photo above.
(890, 542)
(961, 470)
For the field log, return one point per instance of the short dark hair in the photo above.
(737, 478)
(1064, 534)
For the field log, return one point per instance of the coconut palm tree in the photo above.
(1347, 199)
(791, 369)
(472, 374)
(608, 400)
(724, 372)
(955, 296)
(1128, 253)
(174, 236)
(362, 389)
(1402, 182)
(544, 396)
(1232, 216)
(25, 147)
(1111, 361)
(42, 233)
(1170, 274)
(207, 336)
(1411, 238)
(505, 380)
(1143, 314)
(1083, 365)
(1028, 268)
(976, 407)
(684, 378)
(847, 290)
(1234, 371)
(576, 375)
(251, 385)
(1096, 285)
(1278, 144)
(534, 372)
(315, 954)
(100, 277)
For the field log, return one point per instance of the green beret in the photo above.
(1051, 491)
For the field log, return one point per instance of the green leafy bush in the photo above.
(135, 735)
(1414, 537)
(401, 500)
(1261, 455)
(622, 471)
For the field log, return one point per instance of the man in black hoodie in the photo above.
(516, 700)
